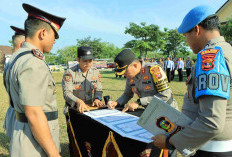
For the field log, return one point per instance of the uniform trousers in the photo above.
(172, 74)
(168, 71)
(188, 72)
(180, 74)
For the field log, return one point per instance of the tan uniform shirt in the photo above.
(76, 85)
(31, 84)
(211, 115)
(146, 85)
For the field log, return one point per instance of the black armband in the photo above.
(168, 145)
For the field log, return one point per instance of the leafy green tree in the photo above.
(147, 37)
(66, 54)
(175, 43)
(100, 49)
(226, 30)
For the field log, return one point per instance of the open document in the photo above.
(122, 123)
(160, 118)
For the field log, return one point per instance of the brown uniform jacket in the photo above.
(150, 81)
(31, 84)
(76, 86)
(211, 115)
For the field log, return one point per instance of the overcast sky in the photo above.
(105, 19)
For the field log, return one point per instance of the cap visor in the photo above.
(87, 57)
(120, 71)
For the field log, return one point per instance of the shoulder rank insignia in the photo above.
(67, 77)
(37, 54)
(208, 59)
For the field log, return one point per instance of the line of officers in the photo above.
(171, 64)
(32, 118)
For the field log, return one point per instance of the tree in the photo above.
(175, 43)
(226, 30)
(66, 54)
(147, 37)
(51, 58)
(100, 49)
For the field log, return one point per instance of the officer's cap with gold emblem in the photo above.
(85, 52)
(54, 21)
(18, 31)
(123, 60)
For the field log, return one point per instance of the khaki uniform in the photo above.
(211, 115)
(77, 85)
(150, 81)
(31, 84)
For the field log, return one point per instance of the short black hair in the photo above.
(210, 23)
(32, 25)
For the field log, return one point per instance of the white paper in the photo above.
(122, 123)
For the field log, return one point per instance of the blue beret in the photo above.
(194, 17)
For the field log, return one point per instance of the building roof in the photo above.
(222, 7)
(7, 50)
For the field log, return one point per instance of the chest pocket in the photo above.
(147, 86)
(51, 92)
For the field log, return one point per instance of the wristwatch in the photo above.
(99, 98)
(168, 145)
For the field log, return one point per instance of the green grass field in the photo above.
(111, 86)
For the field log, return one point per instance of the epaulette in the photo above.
(37, 54)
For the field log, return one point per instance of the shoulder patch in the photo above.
(212, 74)
(159, 78)
(67, 77)
(208, 57)
(37, 54)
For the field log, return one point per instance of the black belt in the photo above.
(50, 116)
(170, 101)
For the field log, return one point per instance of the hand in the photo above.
(81, 106)
(159, 141)
(112, 104)
(98, 103)
(131, 107)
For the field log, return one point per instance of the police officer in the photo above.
(208, 101)
(32, 90)
(188, 66)
(143, 79)
(82, 83)
(17, 39)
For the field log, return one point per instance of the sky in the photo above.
(105, 19)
